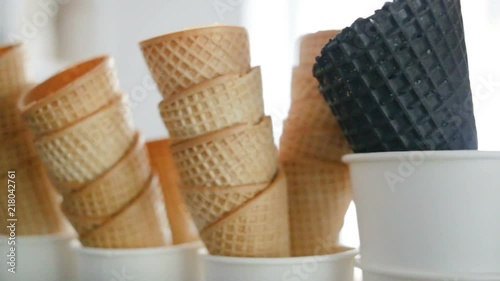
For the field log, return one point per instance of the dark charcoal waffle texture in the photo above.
(399, 80)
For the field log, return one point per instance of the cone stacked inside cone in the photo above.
(95, 158)
(399, 80)
(28, 195)
(222, 143)
(311, 149)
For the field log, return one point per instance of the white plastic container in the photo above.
(179, 263)
(338, 267)
(429, 211)
(371, 274)
(41, 258)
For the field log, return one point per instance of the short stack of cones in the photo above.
(95, 158)
(29, 201)
(399, 80)
(311, 149)
(222, 143)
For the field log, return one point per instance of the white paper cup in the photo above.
(41, 258)
(377, 274)
(435, 211)
(338, 267)
(180, 263)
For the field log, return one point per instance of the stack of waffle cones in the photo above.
(95, 158)
(222, 143)
(311, 149)
(29, 201)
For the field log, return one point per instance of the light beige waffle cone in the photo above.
(240, 155)
(13, 76)
(114, 189)
(15, 151)
(213, 105)
(70, 95)
(311, 45)
(36, 202)
(11, 123)
(259, 228)
(80, 153)
(320, 144)
(181, 223)
(312, 113)
(209, 204)
(319, 195)
(142, 224)
(183, 59)
(304, 85)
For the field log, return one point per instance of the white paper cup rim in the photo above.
(429, 155)
(349, 253)
(137, 252)
(41, 238)
(427, 275)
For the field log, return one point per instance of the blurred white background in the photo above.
(61, 32)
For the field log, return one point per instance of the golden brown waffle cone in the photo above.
(259, 228)
(209, 204)
(15, 151)
(311, 45)
(13, 75)
(181, 222)
(319, 144)
(82, 152)
(84, 225)
(183, 59)
(142, 224)
(36, 202)
(11, 123)
(312, 113)
(240, 155)
(304, 85)
(213, 105)
(319, 195)
(70, 95)
(107, 194)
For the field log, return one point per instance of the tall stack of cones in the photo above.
(95, 158)
(311, 149)
(222, 142)
(27, 198)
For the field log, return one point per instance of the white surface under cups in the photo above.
(429, 211)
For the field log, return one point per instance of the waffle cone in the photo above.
(15, 151)
(311, 45)
(11, 123)
(312, 113)
(399, 79)
(322, 145)
(181, 222)
(183, 59)
(84, 151)
(37, 204)
(70, 96)
(209, 204)
(304, 85)
(84, 225)
(319, 195)
(259, 228)
(13, 76)
(240, 155)
(116, 188)
(142, 224)
(214, 105)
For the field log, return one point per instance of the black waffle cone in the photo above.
(399, 80)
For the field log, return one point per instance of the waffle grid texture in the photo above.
(399, 79)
